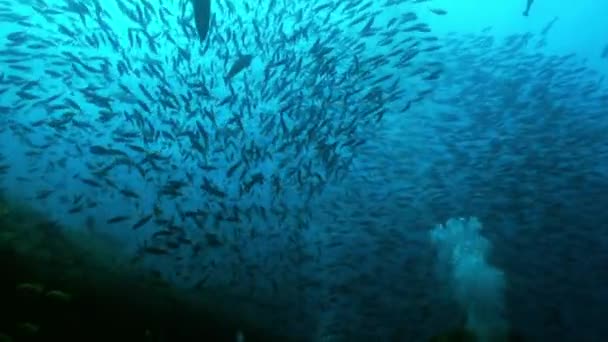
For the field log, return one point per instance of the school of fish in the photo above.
(288, 160)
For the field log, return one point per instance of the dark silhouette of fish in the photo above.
(202, 17)
(438, 11)
(243, 62)
(528, 5)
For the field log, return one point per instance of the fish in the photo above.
(155, 250)
(202, 17)
(30, 288)
(241, 63)
(129, 193)
(117, 219)
(527, 10)
(142, 221)
(438, 11)
(213, 240)
(58, 296)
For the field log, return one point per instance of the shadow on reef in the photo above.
(64, 285)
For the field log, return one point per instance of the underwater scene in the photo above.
(290, 170)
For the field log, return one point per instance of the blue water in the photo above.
(312, 181)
